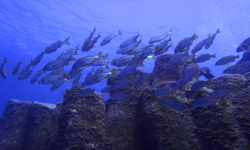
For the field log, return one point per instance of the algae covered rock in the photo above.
(123, 125)
(13, 124)
(29, 125)
(81, 121)
(228, 81)
(218, 125)
(166, 128)
(165, 73)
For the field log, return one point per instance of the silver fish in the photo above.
(121, 83)
(142, 79)
(162, 44)
(200, 102)
(127, 70)
(243, 67)
(15, 70)
(227, 59)
(77, 78)
(98, 77)
(129, 41)
(165, 49)
(198, 85)
(86, 43)
(119, 95)
(87, 91)
(3, 70)
(72, 51)
(57, 84)
(204, 57)
(171, 103)
(107, 89)
(176, 58)
(245, 45)
(85, 61)
(92, 42)
(24, 74)
(53, 47)
(200, 45)
(131, 47)
(55, 64)
(109, 38)
(211, 40)
(78, 85)
(160, 37)
(185, 44)
(35, 77)
(162, 91)
(232, 69)
(220, 92)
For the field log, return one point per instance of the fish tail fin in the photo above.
(75, 52)
(218, 31)
(46, 48)
(99, 55)
(151, 45)
(113, 72)
(113, 60)
(76, 48)
(209, 37)
(153, 56)
(4, 61)
(93, 70)
(72, 58)
(214, 55)
(107, 66)
(171, 31)
(170, 44)
(140, 39)
(65, 75)
(186, 52)
(62, 54)
(66, 41)
(195, 36)
(106, 55)
(119, 32)
(141, 63)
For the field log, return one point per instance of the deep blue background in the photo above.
(27, 27)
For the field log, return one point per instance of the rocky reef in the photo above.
(134, 123)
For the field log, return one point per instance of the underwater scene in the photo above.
(124, 75)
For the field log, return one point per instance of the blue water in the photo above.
(27, 27)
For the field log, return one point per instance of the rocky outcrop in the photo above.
(26, 125)
(136, 122)
(81, 121)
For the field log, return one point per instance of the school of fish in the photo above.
(132, 56)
